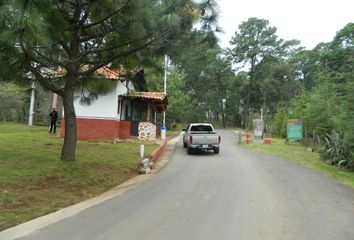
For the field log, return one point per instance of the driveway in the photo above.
(236, 194)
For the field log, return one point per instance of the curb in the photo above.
(157, 152)
(34, 225)
(147, 164)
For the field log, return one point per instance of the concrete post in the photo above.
(31, 111)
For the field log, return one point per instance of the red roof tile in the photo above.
(108, 73)
(158, 98)
(117, 74)
(147, 95)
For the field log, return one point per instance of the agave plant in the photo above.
(335, 149)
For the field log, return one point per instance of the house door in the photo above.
(134, 128)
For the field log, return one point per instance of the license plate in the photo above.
(205, 146)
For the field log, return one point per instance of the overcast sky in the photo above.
(310, 21)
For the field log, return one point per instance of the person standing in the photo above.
(53, 121)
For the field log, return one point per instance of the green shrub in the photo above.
(335, 150)
(278, 124)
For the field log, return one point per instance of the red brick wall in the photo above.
(124, 130)
(99, 129)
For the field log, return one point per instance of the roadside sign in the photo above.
(295, 129)
(258, 126)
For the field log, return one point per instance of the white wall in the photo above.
(104, 106)
(122, 87)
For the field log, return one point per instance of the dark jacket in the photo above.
(53, 116)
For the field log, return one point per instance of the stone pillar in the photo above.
(147, 131)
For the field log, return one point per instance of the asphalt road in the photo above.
(235, 194)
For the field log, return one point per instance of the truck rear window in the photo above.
(201, 128)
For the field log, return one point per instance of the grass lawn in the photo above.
(34, 182)
(299, 154)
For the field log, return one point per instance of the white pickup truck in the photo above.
(201, 136)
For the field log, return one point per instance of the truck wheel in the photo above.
(216, 150)
(185, 145)
(189, 150)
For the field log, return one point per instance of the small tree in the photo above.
(278, 124)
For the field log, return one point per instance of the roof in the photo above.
(117, 74)
(147, 95)
(158, 98)
(108, 73)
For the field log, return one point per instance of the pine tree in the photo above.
(61, 44)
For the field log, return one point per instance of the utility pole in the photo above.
(165, 78)
(163, 129)
(31, 111)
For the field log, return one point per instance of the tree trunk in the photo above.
(69, 146)
(249, 89)
(247, 107)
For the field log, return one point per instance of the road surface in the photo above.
(236, 194)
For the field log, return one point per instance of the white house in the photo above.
(120, 114)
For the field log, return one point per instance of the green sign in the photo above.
(294, 130)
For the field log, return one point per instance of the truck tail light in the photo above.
(219, 139)
(190, 139)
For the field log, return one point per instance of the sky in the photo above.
(310, 21)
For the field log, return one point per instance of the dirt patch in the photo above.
(52, 181)
(16, 206)
(100, 169)
(49, 144)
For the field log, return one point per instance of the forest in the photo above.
(229, 87)
(260, 72)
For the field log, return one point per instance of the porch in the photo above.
(140, 110)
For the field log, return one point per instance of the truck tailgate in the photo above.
(205, 138)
